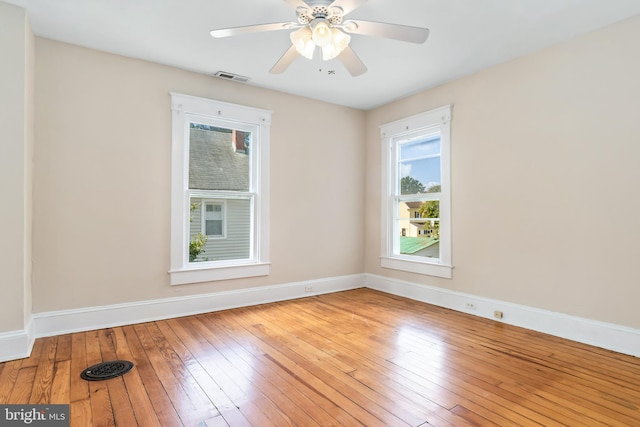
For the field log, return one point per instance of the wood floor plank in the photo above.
(218, 421)
(354, 358)
(80, 413)
(21, 391)
(471, 417)
(43, 380)
(8, 378)
(162, 405)
(122, 409)
(138, 394)
(61, 383)
(101, 406)
(63, 350)
(79, 389)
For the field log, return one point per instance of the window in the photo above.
(219, 196)
(213, 220)
(416, 218)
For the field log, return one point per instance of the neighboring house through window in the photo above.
(213, 220)
(416, 234)
(219, 216)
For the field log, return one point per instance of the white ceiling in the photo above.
(466, 36)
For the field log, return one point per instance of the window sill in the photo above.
(212, 274)
(425, 268)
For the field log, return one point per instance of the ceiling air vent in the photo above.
(231, 76)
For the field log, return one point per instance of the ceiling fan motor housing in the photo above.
(320, 10)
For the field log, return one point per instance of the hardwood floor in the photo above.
(352, 358)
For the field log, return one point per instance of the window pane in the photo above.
(420, 148)
(214, 212)
(218, 158)
(213, 227)
(419, 228)
(419, 166)
(227, 229)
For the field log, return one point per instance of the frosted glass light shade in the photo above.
(339, 42)
(302, 40)
(322, 34)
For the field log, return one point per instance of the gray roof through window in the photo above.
(214, 163)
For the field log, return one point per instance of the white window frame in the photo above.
(391, 134)
(223, 204)
(186, 108)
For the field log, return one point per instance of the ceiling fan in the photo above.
(321, 24)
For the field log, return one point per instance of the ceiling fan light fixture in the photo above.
(339, 42)
(302, 40)
(321, 33)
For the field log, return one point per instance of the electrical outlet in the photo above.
(498, 314)
(308, 288)
(470, 306)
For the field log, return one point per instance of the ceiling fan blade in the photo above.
(348, 5)
(352, 62)
(285, 60)
(235, 31)
(390, 31)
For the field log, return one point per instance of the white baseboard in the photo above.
(90, 318)
(16, 344)
(600, 334)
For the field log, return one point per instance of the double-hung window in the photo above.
(219, 196)
(416, 218)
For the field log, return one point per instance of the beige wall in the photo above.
(29, 165)
(16, 148)
(545, 178)
(102, 180)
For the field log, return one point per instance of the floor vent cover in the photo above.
(106, 370)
